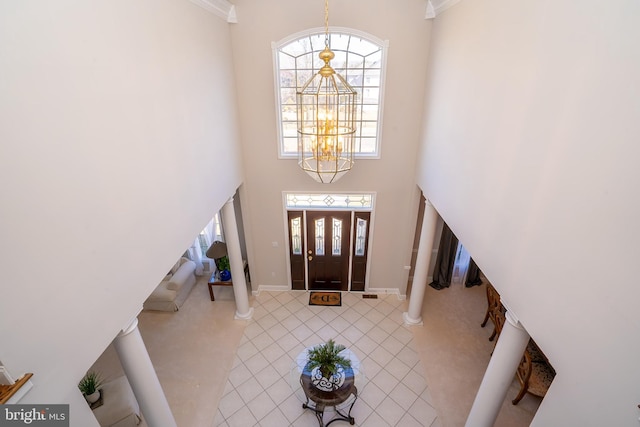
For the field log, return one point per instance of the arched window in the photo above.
(360, 58)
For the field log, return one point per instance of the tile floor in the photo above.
(258, 391)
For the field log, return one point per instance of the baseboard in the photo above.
(272, 288)
(387, 291)
(379, 291)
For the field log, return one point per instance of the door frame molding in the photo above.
(351, 209)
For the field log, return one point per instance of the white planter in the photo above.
(93, 397)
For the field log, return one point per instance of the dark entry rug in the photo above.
(325, 298)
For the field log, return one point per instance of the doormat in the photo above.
(325, 298)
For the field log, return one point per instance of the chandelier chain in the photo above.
(326, 111)
(326, 23)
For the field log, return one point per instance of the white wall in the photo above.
(391, 177)
(117, 145)
(530, 155)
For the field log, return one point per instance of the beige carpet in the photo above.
(192, 351)
(456, 351)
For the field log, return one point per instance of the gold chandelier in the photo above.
(326, 107)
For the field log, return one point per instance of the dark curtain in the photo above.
(473, 275)
(445, 259)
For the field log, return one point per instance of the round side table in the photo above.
(317, 394)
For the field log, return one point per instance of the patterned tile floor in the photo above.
(258, 390)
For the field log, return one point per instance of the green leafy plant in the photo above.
(90, 383)
(223, 263)
(327, 359)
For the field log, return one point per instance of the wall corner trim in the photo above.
(436, 7)
(221, 8)
(431, 11)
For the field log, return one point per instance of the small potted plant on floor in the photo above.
(326, 361)
(90, 385)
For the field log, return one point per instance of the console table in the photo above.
(214, 280)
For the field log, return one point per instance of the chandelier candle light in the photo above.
(326, 107)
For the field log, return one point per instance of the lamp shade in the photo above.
(217, 250)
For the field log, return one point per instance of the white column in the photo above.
(232, 239)
(142, 377)
(423, 260)
(499, 374)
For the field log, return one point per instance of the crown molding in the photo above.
(431, 11)
(221, 8)
(436, 7)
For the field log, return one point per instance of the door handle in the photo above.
(310, 257)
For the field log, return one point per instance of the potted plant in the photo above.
(326, 357)
(90, 385)
(224, 268)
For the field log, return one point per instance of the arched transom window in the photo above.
(359, 58)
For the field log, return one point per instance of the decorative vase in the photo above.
(93, 397)
(225, 275)
(327, 382)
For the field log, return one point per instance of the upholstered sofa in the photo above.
(174, 289)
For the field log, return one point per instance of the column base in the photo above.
(246, 316)
(410, 321)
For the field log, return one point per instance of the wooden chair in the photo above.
(499, 317)
(534, 373)
(490, 301)
(494, 309)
